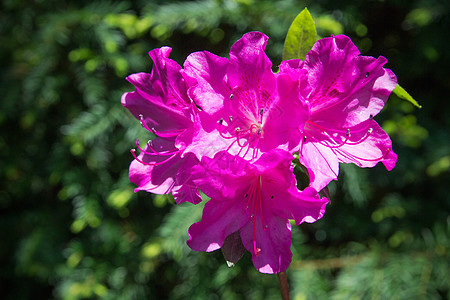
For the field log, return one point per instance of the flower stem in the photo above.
(284, 286)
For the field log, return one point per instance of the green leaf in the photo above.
(301, 36)
(402, 94)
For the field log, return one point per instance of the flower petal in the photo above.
(220, 219)
(367, 149)
(248, 61)
(321, 162)
(208, 87)
(274, 243)
(165, 80)
(154, 113)
(158, 179)
(345, 88)
(305, 206)
(222, 176)
(185, 190)
(170, 176)
(287, 114)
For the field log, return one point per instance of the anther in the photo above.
(370, 117)
(304, 138)
(237, 129)
(230, 118)
(231, 97)
(265, 227)
(221, 121)
(367, 74)
(261, 112)
(259, 131)
(246, 195)
(348, 132)
(271, 197)
(369, 131)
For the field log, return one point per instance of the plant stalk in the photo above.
(284, 286)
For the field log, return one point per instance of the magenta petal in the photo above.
(367, 149)
(249, 63)
(321, 162)
(154, 113)
(165, 81)
(274, 243)
(341, 80)
(220, 177)
(203, 138)
(169, 172)
(306, 205)
(286, 116)
(158, 179)
(185, 189)
(365, 98)
(220, 219)
(327, 65)
(208, 74)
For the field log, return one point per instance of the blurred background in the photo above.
(71, 225)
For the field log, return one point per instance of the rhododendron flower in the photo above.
(345, 91)
(256, 200)
(163, 107)
(246, 109)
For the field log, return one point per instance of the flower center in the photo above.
(243, 131)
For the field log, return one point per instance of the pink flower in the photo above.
(345, 91)
(163, 107)
(254, 200)
(246, 109)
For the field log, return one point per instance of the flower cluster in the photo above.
(230, 127)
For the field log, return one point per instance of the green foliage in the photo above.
(402, 94)
(300, 37)
(74, 229)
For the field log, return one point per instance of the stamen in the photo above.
(246, 152)
(362, 139)
(365, 159)
(230, 145)
(219, 129)
(167, 133)
(237, 139)
(153, 152)
(133, 152)
(255, 199)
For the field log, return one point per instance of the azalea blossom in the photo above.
(160, 102)
(246, 109)
(344, 91)
(253, 201)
